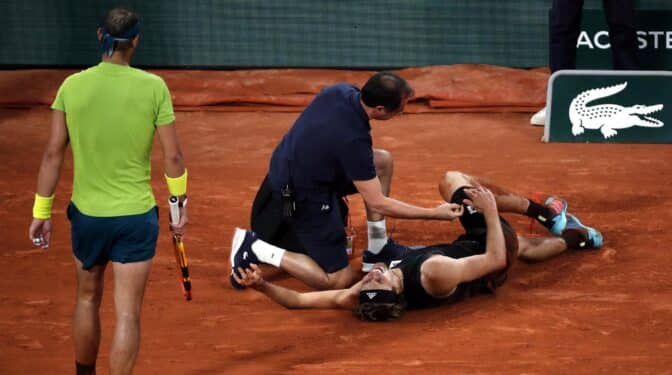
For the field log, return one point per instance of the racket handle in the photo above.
(174, 205)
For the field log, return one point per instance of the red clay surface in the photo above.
(607, 311)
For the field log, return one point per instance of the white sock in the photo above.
(268, 253)
(377, 235)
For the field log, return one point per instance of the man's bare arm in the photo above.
(291, 299)
(173, 166)
(50, 170)
(440, 275)
(173, 161)
(52, 159)
(376, 201)
(494, 257)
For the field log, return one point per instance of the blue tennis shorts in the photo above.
(122, 239)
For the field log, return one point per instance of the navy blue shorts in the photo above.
(122, 239)
(317, 228)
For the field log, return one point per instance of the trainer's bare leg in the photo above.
(537, 249)
(305, 269)
(130, 280)
(86, 319)
(506, 200)
(375, 223)
(384, 170)
(301, 266)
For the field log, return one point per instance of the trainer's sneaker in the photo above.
(589, 238)
(558, 220)
(241, 253)
(539, 118)
(390, 254)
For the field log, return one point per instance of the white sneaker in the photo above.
(539, 118)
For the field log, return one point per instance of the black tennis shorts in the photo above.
(316, 229)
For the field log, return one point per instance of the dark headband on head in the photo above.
(107, 41)
(377, 296)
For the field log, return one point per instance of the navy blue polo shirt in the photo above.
(328, 146)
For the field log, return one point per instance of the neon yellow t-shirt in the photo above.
(111, 113)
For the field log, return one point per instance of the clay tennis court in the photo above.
(605, 311)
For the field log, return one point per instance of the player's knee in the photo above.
(92, 300)
(383, 161)
(90, 295)
(525, 256)
(451, 181)
(523, 253)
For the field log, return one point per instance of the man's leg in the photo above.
(302, 266)
(375, 222)
(384, 170)
(506, 200)
(552, 215)
(377, 251)
(540, 248)
(276, 243)
(310, 246)
(620, 16)
(307, 270)
(130, 280)
(575, 236)
(86, 319)
(247, 248)
(565, 26)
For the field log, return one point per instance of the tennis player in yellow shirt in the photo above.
(109, 114)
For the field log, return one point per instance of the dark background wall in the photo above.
(290, 33)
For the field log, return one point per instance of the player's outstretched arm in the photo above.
(291, 299)
(372, 193)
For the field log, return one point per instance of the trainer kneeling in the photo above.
(299, 214)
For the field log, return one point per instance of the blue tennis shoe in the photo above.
(241, 253)
(591, 238)
(558, 220)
